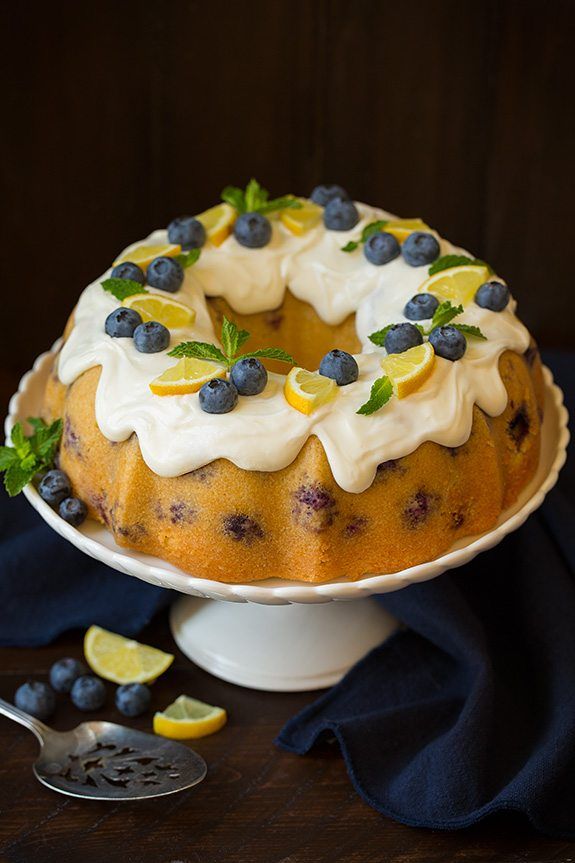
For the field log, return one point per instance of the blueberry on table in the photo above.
(54, 487)
(218, 396)
(323, 194)
(88, 693)
(166, 274)
(249, 376)
(493, 296)
(128, 270)
(36, 698)
(340, 215)
(151, 337)
(65, 672)
(73, 510)
(133, 699)
(448, 343)
(402, 337)
(121, 323)
(340, 367)
(381, 248)
(187, 232)
(419, 249)
(252, 230)
(421, 307)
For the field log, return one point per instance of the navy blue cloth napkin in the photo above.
(470, 710)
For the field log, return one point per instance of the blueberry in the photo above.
(493, 296)
(448, 343)
(64, 672)
(88, 693)
(322, 195)
(421, 307)
(133, 699)
(401, 337)
(73, 510)
(340, 366)
(121, 323)
(187, 232)
(381, 248)
(54, 487)
(128, 270)
(151, 337)
(218, 397)
(253, 230)
(249, 376)
(420, 248)
(340, 215)
(36, 698)
(166, 274)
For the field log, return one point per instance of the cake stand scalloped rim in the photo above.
(157, 572)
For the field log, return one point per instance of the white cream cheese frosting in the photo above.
(264, 432)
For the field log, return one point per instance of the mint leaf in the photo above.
(235, 197)
(16, 477)
(446, 262)
(380, 394)
(232, 338)
(123, 288)
(286, 202)
(8, 455)
(255, 199)
(18, 438)
(350, 247)
(186, 259)
(255, 196)
(378, 338)
(199, 351)
(271, 354)
(470, 331)
(29, 455)
(46, 439)
(373, 228)
(444, 313)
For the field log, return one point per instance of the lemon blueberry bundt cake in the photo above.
(195, 426)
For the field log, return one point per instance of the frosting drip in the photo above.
(264, 433)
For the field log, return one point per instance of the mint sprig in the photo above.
(444, 313)
(123, 288)
(255, 199)
(187, 259)
(29, 454)
(380, 394)
(367, 232)
(232, 339)
(446, 262)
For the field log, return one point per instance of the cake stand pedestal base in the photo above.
(282, 648)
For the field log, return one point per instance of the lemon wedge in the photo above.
(186, 718)
(123, 660)
(187, 376)
(218, 222)
(302, 220)
(144, 255)
(402, 228)
(153, 307)
(305, 391)
(408, 370)
(458, 284)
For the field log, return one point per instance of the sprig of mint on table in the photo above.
(443, 315)
(232, 339)
(368, 231)
(124, 288)
(29, 454)
(255, 199)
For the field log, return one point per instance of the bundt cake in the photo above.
(198, 444)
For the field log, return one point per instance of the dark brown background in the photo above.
(120, 115)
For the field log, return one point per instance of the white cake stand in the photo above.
(275, 634)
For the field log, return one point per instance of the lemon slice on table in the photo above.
(187, 376)
(144, 255)
(305, 391)
(402, 228)
(123, 660)
(218, 222)
(164, 310)
(408, 370)
(301, 220)
(458, 284)
(186, 718)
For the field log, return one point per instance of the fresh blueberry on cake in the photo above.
(493, 296)
(166, 274)
(253, 230)
(340, 215)
(218, 396)
(128, 270)
(448, 342)
(121, 323)
(54, 487)
(421, 307)
(420, 248)
(151, 337)
(381, 248)
(249, 376)
(187, 232)
(322, 195)
(402, 337)
(340, 366)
